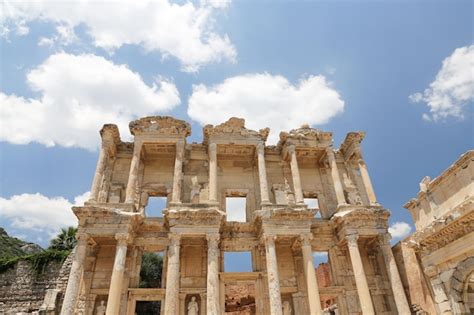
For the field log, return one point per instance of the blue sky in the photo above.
(340, 65)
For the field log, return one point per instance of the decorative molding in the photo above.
(160, 125)
(234, 126)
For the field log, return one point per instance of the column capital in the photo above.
(212, 146)
(213, 238)
(175, 239)
(260, 147)
(361, 161)
(82, 238)
(306, 239)
(269, 239)
(384, 239)
(352, 239)
(291, 148)
(122, 238)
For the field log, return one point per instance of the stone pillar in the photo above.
(213, 172)
(336, 179)
(272, 275)
(262, 174)
(172, 275)
(115, 290)
(359, 274)
(75, 275)
(310, 275)
(395, 280)
(213, 274)
(295, 173)
(367, 182)
(99, 173)
(439, 294)
(178, 173)
(133, 175)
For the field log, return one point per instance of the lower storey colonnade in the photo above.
(283, 275)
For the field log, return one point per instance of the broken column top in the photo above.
(305, 136)
(160, 125)
(234, 130)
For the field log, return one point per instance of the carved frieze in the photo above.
(160, 125)
(234, 126)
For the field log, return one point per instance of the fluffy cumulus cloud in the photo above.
(35, 212)
(399, 230)
(453, 88)
(77, 94)
(266, 100)
(184, 31)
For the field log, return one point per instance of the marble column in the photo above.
(310, 275)
(367, 182)
(115, 289)
(272, 275)
(295, 173)
(213, 274)
(336, 179)
(172, 275)
(359, 274)
(178, 173)
(213, 172)
(75, 275)
(262, 174)
(99, 173)
(395, 280)
(133, 175)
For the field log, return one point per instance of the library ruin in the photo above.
(299, 197)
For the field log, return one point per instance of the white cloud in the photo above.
(453, 87)
(266, 100)
(78, 94)
(184, 31)
(399, 230)
(37, 212)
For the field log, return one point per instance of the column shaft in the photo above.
(367, 182)
(310, 274)
(262, 174)
(213, 172)
(172, 276)
(133, 175)
(336, 179)
(295, 172)
(75, 275)
(272, 275)
(178, 173)
(395, 280)
(360, 278)
(115, 289)
(99, 173)
(213, 274)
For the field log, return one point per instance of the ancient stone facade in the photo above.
(437, 261)
(280, 231)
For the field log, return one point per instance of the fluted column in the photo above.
(359, 274)
(336, 179)
(213, 274)
(367, 182)
(310, 275)
(178, 172)
(272, 275)
(262, 174)
(75, 275)
(99, 173)
(115, 290)
(172, 276)
(395, 280)
(213, 172)
(133, 175)
(295, 173)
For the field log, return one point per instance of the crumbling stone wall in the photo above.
(21, 290)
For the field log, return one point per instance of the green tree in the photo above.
(65, 240)
(150, 272)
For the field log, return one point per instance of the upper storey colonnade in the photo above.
(160, 162)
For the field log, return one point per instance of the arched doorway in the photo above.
(462, 287)
(468, 294)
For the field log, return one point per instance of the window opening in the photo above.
(238, 262)
(236, 209)
(151, 270)
(155, 206)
